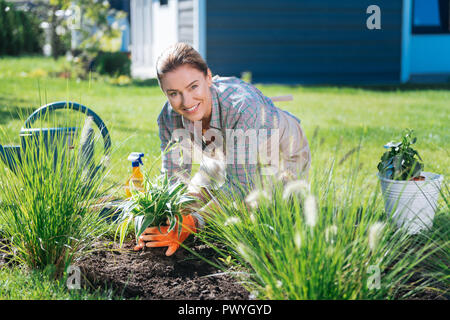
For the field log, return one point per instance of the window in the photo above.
(431, 16)
(163, 2)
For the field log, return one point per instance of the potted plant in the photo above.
(162, 202)
(410, 193)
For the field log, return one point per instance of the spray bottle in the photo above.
(136, 180)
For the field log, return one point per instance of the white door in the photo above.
(141, 39)
(165, 26)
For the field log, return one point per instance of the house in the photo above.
(300, 41)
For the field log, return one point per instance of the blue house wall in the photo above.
(304, 41)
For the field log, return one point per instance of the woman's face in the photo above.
(187, 90)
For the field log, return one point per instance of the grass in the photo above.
(19, 284)
(334, 119)
(50, 211)
(292, 243)
(339, 114)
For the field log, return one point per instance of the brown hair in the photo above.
(178, 55)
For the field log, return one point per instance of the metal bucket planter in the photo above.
(412, 204)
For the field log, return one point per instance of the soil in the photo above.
(149, 274)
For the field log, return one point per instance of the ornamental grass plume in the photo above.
(333, 259)
(254, 198)
(87, 131)
(296, 187)
(310, 210)
(330, 233)
(279, 284)
(285, 176)
(298, 240)
(374, 235)
(232, 220)
(243, 250)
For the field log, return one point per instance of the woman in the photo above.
(228, 114)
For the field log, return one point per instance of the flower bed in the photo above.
(151, 275)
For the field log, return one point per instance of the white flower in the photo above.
(254, 198)
(232, 220)
(310, 210)
(375, 232)
(295, 187)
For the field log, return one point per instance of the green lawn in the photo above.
(19, 284)
(341, 115)
(334, 119)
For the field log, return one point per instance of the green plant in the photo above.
(162, 202)
(113, 63)
(51, 212)
(19, 31)
(400, 162)
(288, 242)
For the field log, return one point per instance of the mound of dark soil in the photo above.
(149, 274)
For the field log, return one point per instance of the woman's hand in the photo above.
(153, 237)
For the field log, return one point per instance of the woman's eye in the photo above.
(194, 86)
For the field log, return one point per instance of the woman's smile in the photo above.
(193, 109)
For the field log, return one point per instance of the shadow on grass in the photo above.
(145, 83)
(10, 110)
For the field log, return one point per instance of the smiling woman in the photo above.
(225, 108)
(223, 116)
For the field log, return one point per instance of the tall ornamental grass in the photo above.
(326, 241)
(51, 204)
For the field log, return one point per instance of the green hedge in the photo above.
(112, 63)
(19, 31)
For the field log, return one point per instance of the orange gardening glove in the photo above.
(155, 238)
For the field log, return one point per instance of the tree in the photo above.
(91, 26)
